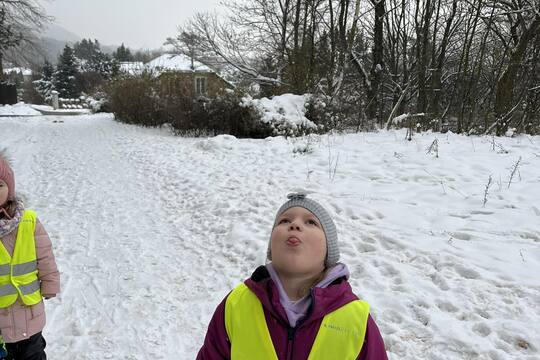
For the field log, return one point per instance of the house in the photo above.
(24, 73)
(131, 67)
(180, 73)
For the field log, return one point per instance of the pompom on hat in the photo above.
(6, 174)
(328, 226)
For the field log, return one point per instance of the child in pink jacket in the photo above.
(23, 319)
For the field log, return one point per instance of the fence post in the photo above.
(54, 94)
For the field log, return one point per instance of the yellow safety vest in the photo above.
(340, 336)
(18, 273)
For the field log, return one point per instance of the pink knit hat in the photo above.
(6, 174)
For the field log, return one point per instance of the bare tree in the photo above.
(284, 36)
(398, 37)
(232, 45)
(188, 43)
(524, 20)
(269, 25)
(439, 56)
(8, 37)
(468, 65)
(19, 22)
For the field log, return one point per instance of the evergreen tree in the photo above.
(114, 68)
(88, 54)
(123, 53)
(45, 85)
(91, 59)
(86, 49)
(66, 70)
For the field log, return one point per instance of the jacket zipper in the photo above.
(291, 331)
(290, 342)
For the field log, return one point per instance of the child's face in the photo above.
(4, 191)
(298, 243)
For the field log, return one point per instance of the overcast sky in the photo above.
(136, 23)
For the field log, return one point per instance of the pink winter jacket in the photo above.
(18, 321)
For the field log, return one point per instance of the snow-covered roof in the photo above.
(18, 70)
(132, 67)
(176, 62)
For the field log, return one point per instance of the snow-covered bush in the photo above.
(284, 114)
(97, 102)
(337, 114)
(214, 116)
(143, 100)
(228, 115)
(322, 112)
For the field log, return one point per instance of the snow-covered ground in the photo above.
(22, 109)
(19, 109)
(151, 231)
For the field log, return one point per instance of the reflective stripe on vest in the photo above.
(340, 336)
(18, 273)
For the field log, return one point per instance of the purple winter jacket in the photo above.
(290, 343)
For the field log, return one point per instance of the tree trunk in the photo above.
(437, 73)
(377, 65)
(342, 33)
(476, 72)
(296, 56)
(331, 85)
(506, 83)
(422, 36)
(463, 80)
(284, 23)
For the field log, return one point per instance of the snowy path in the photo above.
(122, 247)
(151, 231)
(135, 215)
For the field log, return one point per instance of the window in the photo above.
(200, 86)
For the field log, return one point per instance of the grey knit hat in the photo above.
(328, 226)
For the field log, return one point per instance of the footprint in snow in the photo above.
(467, 273)
(481, 329)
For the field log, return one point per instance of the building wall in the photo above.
(186, 83)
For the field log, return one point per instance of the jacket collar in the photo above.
(324, 300)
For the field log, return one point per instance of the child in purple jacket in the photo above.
(300, 305)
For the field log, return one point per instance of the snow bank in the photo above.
(19, 109)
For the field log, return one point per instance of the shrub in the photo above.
(227, 116)
(282, 114)
(89, 81)
(134, 100)
(148, 101)
(30, 94)
(337, 114)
